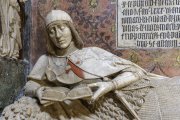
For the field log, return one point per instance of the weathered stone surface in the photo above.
(96, 21)
(12, 80)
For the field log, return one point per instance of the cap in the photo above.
(56, 15)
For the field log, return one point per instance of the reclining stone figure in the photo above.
(72, 82)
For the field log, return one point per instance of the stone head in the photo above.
(61, 31)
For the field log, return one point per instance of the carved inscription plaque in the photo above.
(148, 24)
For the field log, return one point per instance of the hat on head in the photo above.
(56, 15)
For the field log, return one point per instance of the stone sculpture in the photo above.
(12, 78)
(10, 39)
(72, 82)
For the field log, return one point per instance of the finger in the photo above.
(97, 95)
(93, 85)
(40, 92)
(41, 88)
(44, 101)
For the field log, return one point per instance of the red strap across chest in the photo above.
(79, 72)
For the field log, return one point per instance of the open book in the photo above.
(63, 93)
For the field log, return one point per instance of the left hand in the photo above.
(103, 88)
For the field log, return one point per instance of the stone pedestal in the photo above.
(12, 80)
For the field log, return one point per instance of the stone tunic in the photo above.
(92, 64)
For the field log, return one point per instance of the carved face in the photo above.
(60, 34)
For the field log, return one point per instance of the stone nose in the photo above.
(58, 32)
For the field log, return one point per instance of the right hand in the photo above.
(103, 88)
(39, 94)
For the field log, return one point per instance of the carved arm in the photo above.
(31, 87)
(127, 78)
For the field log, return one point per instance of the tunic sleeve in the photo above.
(38, 71)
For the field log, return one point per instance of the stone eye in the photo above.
(62, 27)
(51, 30)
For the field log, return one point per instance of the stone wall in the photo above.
(12, 80)
(95, 21)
